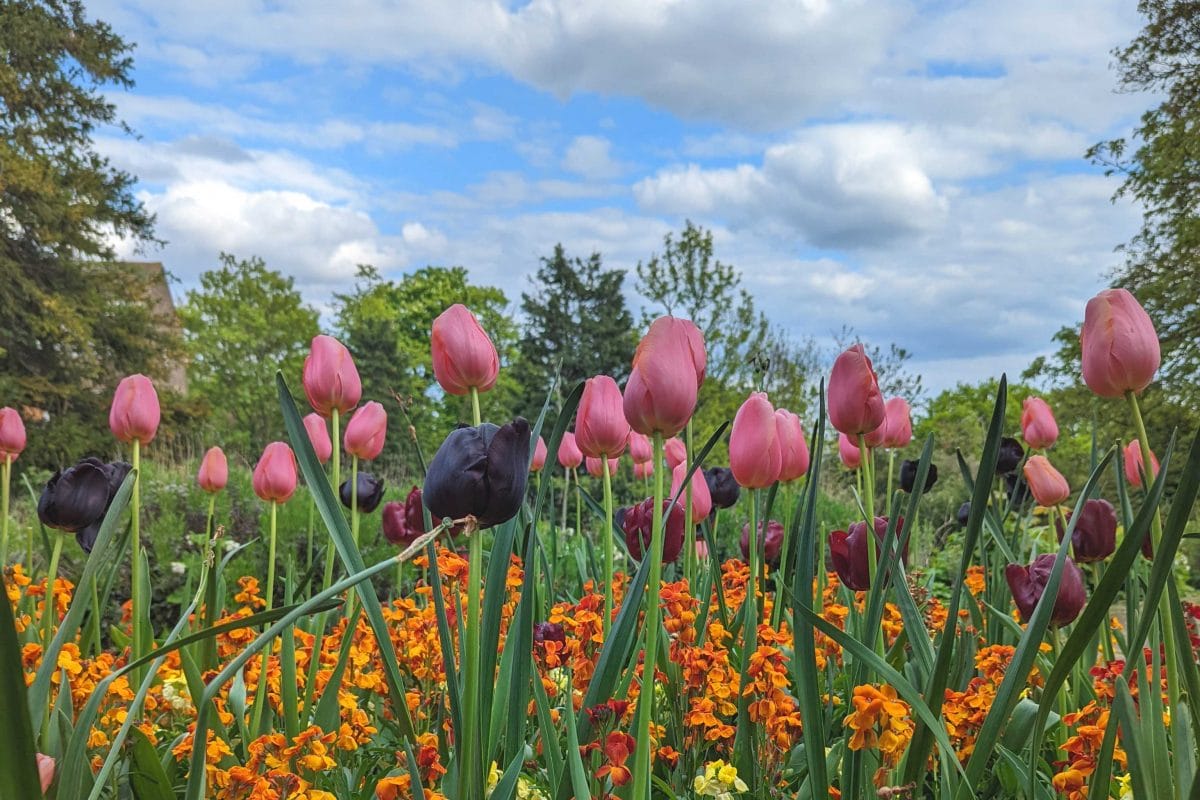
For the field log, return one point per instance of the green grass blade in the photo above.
(147, 779)
(18, 765)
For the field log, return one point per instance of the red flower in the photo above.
(617, 749)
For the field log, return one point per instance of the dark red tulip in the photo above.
(549, 632)
(1095, 534)
(1028, 584)
(638, 522)
(771, 547)
(848, 551)
(403, 523)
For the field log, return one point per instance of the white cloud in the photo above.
(591, 157)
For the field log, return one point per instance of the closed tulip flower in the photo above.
(600, 425)
(539, 456)
(1028, 584)
(12, 434)
(135, 412)
(330, 378)
(403, 523)
(275, 474)
(1135, 465)
(75, 497)
(1095, 534)
(849, 552)
(848, 452)
(643, 470)
(480, 472)
(214, 471)
(771, 546)
(1008, 456)
(896, 430)
(370, 492)
(641, 449)
(908, 475)
(1119, 344)
(1038, 427)
(114, 473)
(45, 768)
(675, 452)
(963, 515)
(722, 487)
(754, 454)
(569, 454)
(668, 368)
(366, 432)
(702, 503)
(1047, 484)
(855, 403)
(638, 521)
(464, 357)
(318, 436)
(595, 466)
(793, 448)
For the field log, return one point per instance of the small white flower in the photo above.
(178, 567)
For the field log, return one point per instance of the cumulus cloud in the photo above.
(591, 157)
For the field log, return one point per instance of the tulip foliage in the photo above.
(703, 634)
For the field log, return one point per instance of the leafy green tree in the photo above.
(71, 322)
(1160, 166)
(576, 325)
(245, 322)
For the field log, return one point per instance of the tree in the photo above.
(71, 322)
(576, 326)
(1160, 165)
(245, 322)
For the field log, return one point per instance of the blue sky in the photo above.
(912, 168)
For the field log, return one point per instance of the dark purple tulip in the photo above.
(480, 471)
(548, 632)
(722, 486)
(638, 523)
(370, 492)
(964, 514)
(1009, 455)
(1017, 489)
(1029, 583)
(771, 548)
(848, 552)
(908, 475)
(114, 473)
(1095, 534)
(75, 497)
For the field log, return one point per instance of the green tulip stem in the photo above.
(261, 700)
(48, 607)
(645, 709)
(5, 479)
(1105, 631)
(335, 477)
(887, 499)
(868, 498)
(476, 417)
(1056, 648)
(606, 541)
(312, 509)
(351, 600)
(578, 504)
(689, 528)
(472, 769)
(141, 609)
(270, 598)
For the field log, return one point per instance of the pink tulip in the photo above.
(539, 455)
(701, 549)
(793, 448)
(366, 432)
(12, 434)
(668, 368)
(896, 430)
(464, 357)
(330, 378)
(1135, 466)
(275, 473)
(855, 403)
(644, 470)
(600, 425)
(45, 768)
(214, 471)
(848, 451)
(135, 412)
(641, 449)
(675, 452)
(318, 436)
(595, 467)
(1119, 344)
(1038, 428)
(569, 454)
(754, 453)
(701, 499)
(1046, 484)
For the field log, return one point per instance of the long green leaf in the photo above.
(18, 765)
(147, 779)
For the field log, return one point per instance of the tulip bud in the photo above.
(638, 522)
(464, 357)
(74, 498)
(370, 492)
(569, 454)
(896, 430)
(770, 548)
(701, 500)
(722, 487)
(668, 368)
(1047, 484)
(701, 549)
(754, 454)
(1008, 456)
(275, 474)
(964, 514)
(643, 470)
(45, 768)
(330, 378)
(480, 472)
(908, 475)
(855, 403)
(1028, 584)
(135, 412)
(539, 456)
(366, 432)
(793, 449)
(1119, 344)
(641, 449)
(12, 434)
(1135, 465)
(114, 473)
(848, 452)
(849, 552)
(675, 452)
(214, 471)
(1038, 427)
(600, 425)
(595, 466)
(1095, 534)
(403, 523)
(318, 436)
(549, 632)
